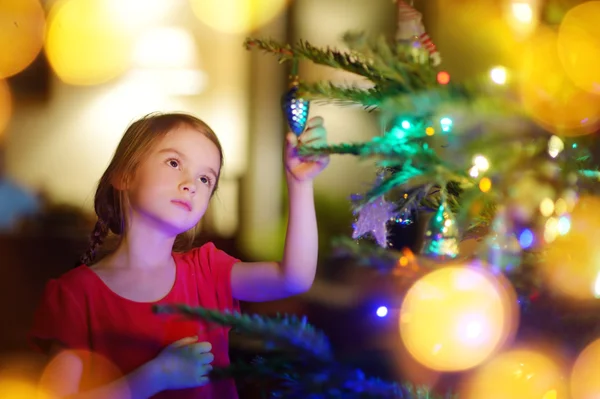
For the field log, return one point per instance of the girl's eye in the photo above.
(173, 163)
(205, 180)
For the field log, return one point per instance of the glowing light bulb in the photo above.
(382, 311)
(498, 75)
(481, 163)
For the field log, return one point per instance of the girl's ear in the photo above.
(119, 182)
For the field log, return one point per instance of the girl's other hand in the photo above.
(183, 364)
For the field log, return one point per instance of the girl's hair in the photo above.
(109, 202)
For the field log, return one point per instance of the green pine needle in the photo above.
(284, 332)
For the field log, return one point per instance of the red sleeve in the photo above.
(58, 319)
(219, 265)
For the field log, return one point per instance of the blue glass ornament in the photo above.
(295, 109)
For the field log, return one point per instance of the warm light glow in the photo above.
(585, 375)
(166, 58)
(22, 26)
(522, 12)
(572, 260)
(474, 171)
(481, 163)
(443, 77)
(547, 207)
(237, 16)
(549, 95)
(165, 47)
(516, 374)
(579, 45)
(454, 318)
(429, 131)
(86, 44)
(20, 388)
(498, 75)
(5, 107)
(555, 146)
(485, 184)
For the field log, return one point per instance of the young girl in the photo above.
(96, 321)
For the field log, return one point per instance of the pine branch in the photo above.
(327, 56)
(328, 92)
(395, 61)
(365, 254)
(337, 382)
(285, 332)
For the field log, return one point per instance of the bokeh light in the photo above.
(455, 317)
(87, 42)
(237, 16)
(5, 108)
(104, 371)
(443, 77)
(579, 45)
(485, 184)
(499, 75)
(549, 96)
(15, 388)
(517, 374)
(585, 375)
(572, 262)
(22, 29)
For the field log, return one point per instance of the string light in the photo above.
(443, 77)
(498, 75)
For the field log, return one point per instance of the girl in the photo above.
(96, 320)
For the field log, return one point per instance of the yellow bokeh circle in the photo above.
(455, 317)
(86, 42)
(22, 26)
(548, 94)
(585, 376)
(5, 107)
(237, 16)
(516, 374)
(15, 388)
(579, 45)
(571, 264)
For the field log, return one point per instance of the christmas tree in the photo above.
(508, 177)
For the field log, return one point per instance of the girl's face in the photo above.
(173, 184)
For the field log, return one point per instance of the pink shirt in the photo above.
(117, 335)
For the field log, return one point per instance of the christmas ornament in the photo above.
(410, 29)
(404, 218)
(295, 108)
(441, 236)
(372, 219)
(501, 249)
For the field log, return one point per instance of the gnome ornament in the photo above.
(410, 30)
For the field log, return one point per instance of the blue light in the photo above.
(526, 238)
(446, 124)
(564, 225)
(382, 311)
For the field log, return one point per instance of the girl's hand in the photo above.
(306, 168)
(183, 364)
